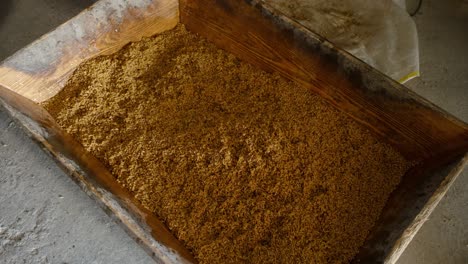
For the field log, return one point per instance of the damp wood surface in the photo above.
(242, 165)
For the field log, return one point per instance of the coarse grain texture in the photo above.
(242, 165)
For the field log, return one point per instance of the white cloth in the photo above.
(381, 33)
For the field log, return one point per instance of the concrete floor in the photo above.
(443, 36)
(46, 218)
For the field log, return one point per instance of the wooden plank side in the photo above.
(449, 175)
(407, 209)
(92, 176)
(40, 70)
(258, 34)
(254, 33)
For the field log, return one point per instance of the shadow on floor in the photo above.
(4, 10)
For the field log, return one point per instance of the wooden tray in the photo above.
(261, 35)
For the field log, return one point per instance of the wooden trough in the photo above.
(261, 35)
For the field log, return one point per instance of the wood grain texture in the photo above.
(435, 188)
(40, 70)
(257, 33)
(260, 35)
(407, 209)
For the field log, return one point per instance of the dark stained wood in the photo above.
(262, 36)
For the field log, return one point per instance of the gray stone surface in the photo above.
(46, 218)
(443, 35)
(23, 21)
(443, 43)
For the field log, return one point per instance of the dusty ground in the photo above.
(46, 218)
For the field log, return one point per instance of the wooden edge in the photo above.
(95, 180)
(427, 210)
(276, 43)
(405, 207)
(357, 64)
(41, 69)
(123, 209)
(416, 127)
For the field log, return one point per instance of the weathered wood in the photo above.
(262, 36)
(96, 181)
(407, 210)
(40, 70)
